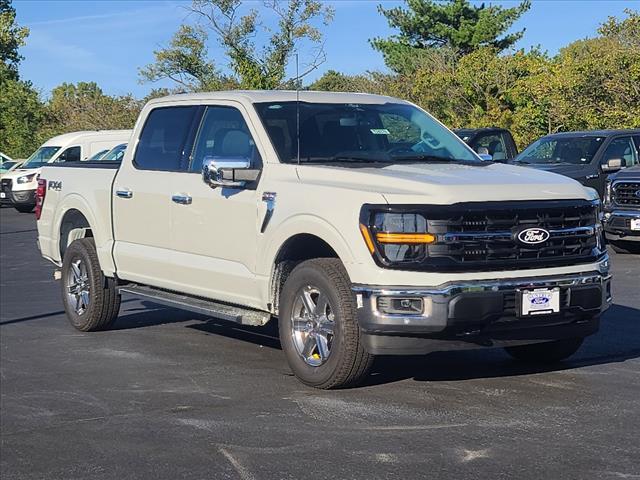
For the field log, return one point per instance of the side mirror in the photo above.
(228, 172)
(612, 165)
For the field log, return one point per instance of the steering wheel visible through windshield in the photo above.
(363, 133)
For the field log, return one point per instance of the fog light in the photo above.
(400, 305)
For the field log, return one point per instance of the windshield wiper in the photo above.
(423, 157)
(522, 161)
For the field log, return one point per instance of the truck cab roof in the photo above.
(72, 137)
(260, 96)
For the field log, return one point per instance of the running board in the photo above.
(244, 316)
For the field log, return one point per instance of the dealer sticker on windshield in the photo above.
(380, 131)
(540, 301)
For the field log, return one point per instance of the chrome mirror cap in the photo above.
(213, 171)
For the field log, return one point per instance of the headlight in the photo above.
(607, 193)
(26, 178)
(397, 237)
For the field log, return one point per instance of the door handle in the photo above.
(124, 193)
(181, 199)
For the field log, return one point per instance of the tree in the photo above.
(251, 66)
(12, 37)
(454, 24)
(84, 106)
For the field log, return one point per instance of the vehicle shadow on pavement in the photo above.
(617, 341)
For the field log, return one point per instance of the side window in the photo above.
(163, 139)
(622, 148)
(224, 134)
(71, 154)
(495, 145)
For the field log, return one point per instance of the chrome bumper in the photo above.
(454, 305)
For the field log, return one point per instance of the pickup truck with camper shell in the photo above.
(622, 210)
(18, 188)
(359, 221)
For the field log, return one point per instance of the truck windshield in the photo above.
(40, 157)
(568, 150)
(361, 133)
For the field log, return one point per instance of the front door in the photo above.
(215, 230)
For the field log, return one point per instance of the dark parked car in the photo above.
(584, 156)
(622, 210)
(497, 142)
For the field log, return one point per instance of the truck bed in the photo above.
(84, 186)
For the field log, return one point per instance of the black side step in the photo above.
(244, 316)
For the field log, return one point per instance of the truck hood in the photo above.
(446, 183)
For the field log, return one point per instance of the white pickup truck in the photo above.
(359, 221)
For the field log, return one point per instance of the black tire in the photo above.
(104, 299)
(622, 246)
(548, 352)
(348, 362)
(24, 208)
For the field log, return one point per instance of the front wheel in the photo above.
(90, 299)
(319, 332)
(548, 352)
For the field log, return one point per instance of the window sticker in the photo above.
(380, 131)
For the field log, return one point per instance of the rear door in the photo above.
(215, 230)
(142, 196)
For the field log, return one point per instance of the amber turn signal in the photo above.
(367, 238)
(405, 238)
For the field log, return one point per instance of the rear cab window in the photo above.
(164, 138)
(71, 154)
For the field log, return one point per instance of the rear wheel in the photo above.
(24, 208)
(319, 332)
(90, 299)
(548, 352)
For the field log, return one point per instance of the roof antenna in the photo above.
(297, 108)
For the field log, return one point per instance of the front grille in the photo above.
(626, 194)
(483, 236)
(6, 185)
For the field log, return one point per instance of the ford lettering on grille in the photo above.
(533, 236)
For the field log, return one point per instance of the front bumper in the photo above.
(18, 197)
(472, 314)
(617, 225)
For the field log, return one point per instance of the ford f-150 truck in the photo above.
(622, 210)
(359, 221)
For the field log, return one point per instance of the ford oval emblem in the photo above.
(638, 193)
(533, 236)
(540, 300)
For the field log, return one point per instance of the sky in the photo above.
(107, 41)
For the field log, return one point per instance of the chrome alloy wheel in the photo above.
(312, 325)
(78, 287)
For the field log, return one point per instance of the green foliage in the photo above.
(85, 107)
(457, 25)
(12, 37)
(21, 115)
(251, 66)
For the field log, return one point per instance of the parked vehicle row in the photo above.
(359, 221)
(18, 188)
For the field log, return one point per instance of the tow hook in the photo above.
(57, 274)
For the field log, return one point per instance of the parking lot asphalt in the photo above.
(170, 394)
